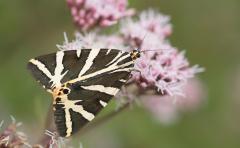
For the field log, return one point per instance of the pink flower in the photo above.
(150, 24)
(195, 95)
(90, 13)
(166, 70)
(163, 67)
(54, 141)
(156, 22)
(167, 109)
(162, 108)
(11, 137)
(92, 40)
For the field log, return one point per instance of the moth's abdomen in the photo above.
(59, 118)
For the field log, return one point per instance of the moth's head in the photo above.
(60, 91)
(135, 54)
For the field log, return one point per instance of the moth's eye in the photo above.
(65, 91)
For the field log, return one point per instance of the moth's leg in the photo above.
(136, 70)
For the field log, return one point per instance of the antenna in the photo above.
(143, 39)
(148, 50)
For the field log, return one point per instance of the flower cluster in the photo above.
(53, 140)
(10, 137)
(160, 67)
(90, 13)
(163, 66)
(150, 25)
(92, 40)
(167, 70)
(166, 109)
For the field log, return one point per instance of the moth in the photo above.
(82, 82)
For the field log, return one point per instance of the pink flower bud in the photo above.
(98, 13)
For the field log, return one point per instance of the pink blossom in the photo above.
(54, 141)
(195, 94)
(92, 40)
(162, 108)
(11, 137)
(167, 109)
(167, 70)
(156, 22)
(150, 23)
(164, 67)
(90, 13)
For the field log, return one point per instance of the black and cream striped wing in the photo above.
(54, 69)
(86, 100)
(93, 77)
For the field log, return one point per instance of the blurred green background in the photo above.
(209, 30)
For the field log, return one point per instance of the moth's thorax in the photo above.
(135, 54)
(60, 92)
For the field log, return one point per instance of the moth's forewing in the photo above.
(93, 77)
(42, 69)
